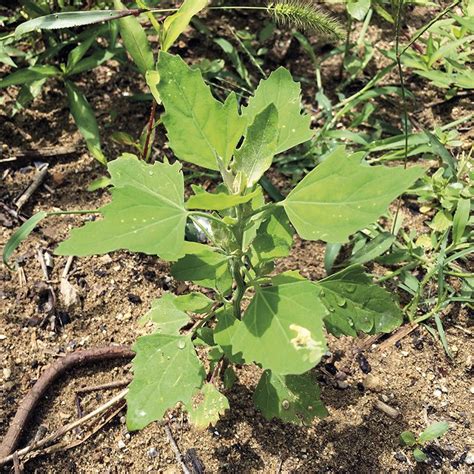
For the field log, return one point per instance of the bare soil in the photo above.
(415, 376)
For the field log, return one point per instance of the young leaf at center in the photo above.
(200, 129)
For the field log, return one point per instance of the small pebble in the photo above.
(7, 373)
(469, 460)
(152, 453)
(404, 353)
(437, 393)
(372, 383)
(121, 444)
(399, 456)
(342, 385)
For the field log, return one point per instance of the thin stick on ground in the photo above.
(65, 429)
(65, 445)
(39, 178)
(177, 452)
(57, 368)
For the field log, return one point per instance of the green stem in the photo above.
(430, 24)
(207, 216)
(237, 263)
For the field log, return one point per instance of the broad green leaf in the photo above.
(207, 406)
(146, 213)
(358, 8)
(166, 370)
(218, 201)
(282, 329)
(85, 120)
(436, 430)
(342, 195)
(69, 20)
(224, 332)
(290, 276)
(30, 74)
(407, 438)
(200, 128)
(204, 266)
(135, 40)
(168, 317)
(175, 24)
(255, 155)
(291, 398)
(355, 304)
(194, 302)
(280, 89)
(229, 378)
(20, 235)
(274, 237)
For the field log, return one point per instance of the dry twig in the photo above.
(56, 369)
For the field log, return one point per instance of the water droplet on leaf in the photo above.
(181, 344)
(285, 404)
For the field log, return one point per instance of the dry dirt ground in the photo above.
(414, 376)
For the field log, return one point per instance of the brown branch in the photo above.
(56, 369)
(65, 429)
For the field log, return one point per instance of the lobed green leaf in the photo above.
(281, 91)
(288, 317)
(146, 213)
(201, 130)
(207, 407)
(342, 195)
(291, 398)
(355, 304)
(166, 370)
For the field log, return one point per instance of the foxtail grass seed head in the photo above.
(306, 16)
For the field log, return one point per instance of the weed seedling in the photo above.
(434, 431)
(248, 314)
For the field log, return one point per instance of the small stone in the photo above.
(7, 373)
(399, 456)
(152, 453)
(469, 460)
(404, 353)
(472, 390)
(384, 398)
(123, 420)
(121, 444)
(2, 337)
(342, 385)
(437, 393)
(341, 375)
(372, 383)
(105, 259)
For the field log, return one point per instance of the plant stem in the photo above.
(207, 216)
(237, 263)
(149, 131)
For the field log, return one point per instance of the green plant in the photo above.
(249, 314)
(434, 431)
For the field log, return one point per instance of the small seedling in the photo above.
(434, 431)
